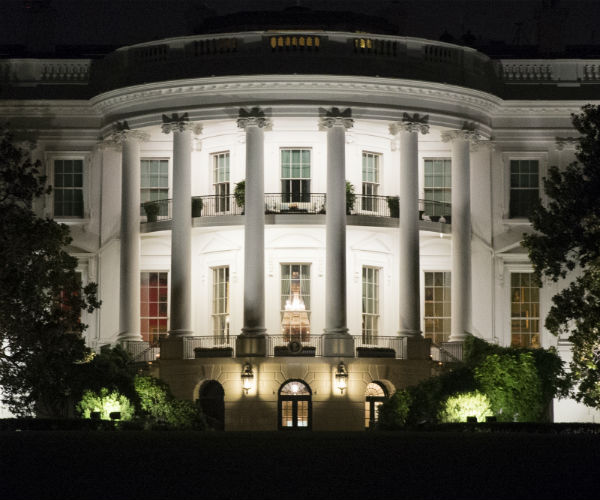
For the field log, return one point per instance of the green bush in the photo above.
(105, 402)
(394, 413)
(239, 194)
(467, 404)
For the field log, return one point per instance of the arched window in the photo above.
(375, 395)
(295, 406)
(212, 402)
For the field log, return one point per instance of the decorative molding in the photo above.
(569, 143)
(255, 117)
(179, 123)
(411, 123)
(121, 133)
(335, 117)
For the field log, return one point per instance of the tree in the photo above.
(567, 239)
(41, 297)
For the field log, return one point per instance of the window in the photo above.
(154, 305)
(438, 187)
(524, 310)
(295, 406)
(370, 304)
(524, 187)
(437, 306)
(68, 188)
(221, 181)
(375, 396)
(295, 301)
(155, 183)
(370, 180)
(295, 175)
(220, 307)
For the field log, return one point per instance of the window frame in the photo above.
(169, 182)
(84, 157)
(424, 313)
(222, 200)
(507, 157)
(523, 269)
(367, 200)
(304, 335)
(302, 196)
(226, 337)
(371, 339)
(168, 273)
(371, 403)
(448, 189)
(294, 399)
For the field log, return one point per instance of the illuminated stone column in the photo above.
(181, 224)
(460, 141)
(337, 341)
(252, 341)
(409, 272)
(128, 141)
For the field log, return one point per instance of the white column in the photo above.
(409, 305)
(252, 341)
(337, 341)
(181, 225)
(461, 231)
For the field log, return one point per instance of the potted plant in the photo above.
(239, 193)
(151, 208)
(197, 205)
(350, 197)
(394, 206)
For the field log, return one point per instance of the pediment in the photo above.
(370, 244)
(436, 246)
(296, 240)
(217, 243)
(156, 246)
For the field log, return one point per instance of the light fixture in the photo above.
(341, 377)
(247, 377)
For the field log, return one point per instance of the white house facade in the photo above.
(292, 305)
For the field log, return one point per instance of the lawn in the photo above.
(180, 465)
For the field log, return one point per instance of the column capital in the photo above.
(121, 133)
(255, 117)
(468, 133)
(335, 117)
(179, 123)
(411, 123)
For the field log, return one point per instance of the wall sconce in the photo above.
(247, 377)
(341, 377)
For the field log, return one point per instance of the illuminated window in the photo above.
(437, 306)
(524, 187)
(370, 180)
(221, 180)
(375, 396)
(295, 175)
(154, 305)
(68, 188)
(220, 307)
(295, 406)
(370, 304)
(524, 310)
(295, 301)
(155, 183)
(438, 187)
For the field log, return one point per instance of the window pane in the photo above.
(437, 306)
(524, 310)
(153, 305)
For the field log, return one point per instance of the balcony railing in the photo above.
(292, 203)
(278, 345)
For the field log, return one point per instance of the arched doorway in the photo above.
(294, 406)
(212, 403)
(375, 395)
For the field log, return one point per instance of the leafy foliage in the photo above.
(394, 413)
(567, 238)
(105, 402)
(458, 407)
(41, 298)
(239, 194)
(350, 197)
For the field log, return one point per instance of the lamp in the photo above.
(247, 377)
(341, 377)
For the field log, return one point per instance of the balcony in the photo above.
(364, 208)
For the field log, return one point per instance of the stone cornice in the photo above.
(38, 108)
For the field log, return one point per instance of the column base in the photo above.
(411, 334)
(177, 334)
(338, 344)
(124, 337)
(247, 345)
(459, 337)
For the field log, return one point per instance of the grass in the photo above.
(181, 465)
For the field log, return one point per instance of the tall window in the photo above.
(437, 306)
(68, 188)
(220, 309)
(524, 311)
(155, 183)
(295, 175)
(524, 187)
(438, 186)
(370, 304)
(295, 301)
(295, 406)
(375, 396)
(370, 180)
(154, 305)
(221, 180)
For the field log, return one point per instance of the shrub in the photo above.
(239, 194)
(468, 404)
(394, 412)
(105, 401)
(350, 197)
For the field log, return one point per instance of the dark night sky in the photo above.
(122, 22)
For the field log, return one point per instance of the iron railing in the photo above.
(289, 203)
(206, 342)
(447, 352)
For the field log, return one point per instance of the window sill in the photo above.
(72, 221)
(517, 221)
